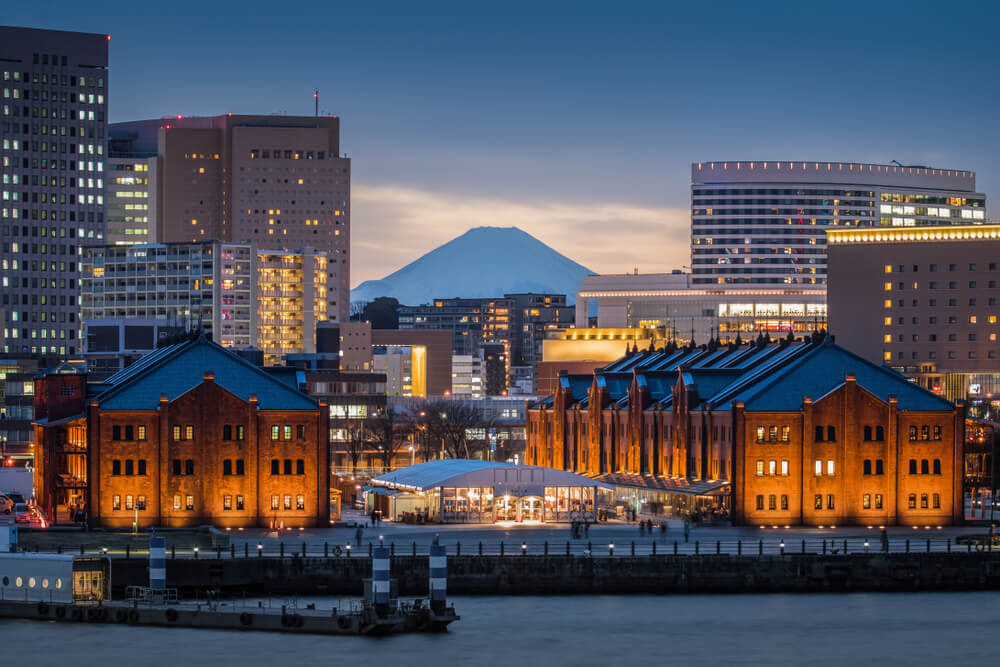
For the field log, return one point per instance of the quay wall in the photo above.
(569, 575)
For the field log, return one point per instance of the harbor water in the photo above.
(831, 629)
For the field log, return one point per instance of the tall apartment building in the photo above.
(130, 193)
(53, 128)
(238, 295)
(276, 181)
(471, 321)
(208, 285)
(291, 301)
(764, 223)
(925, 301)
(531, 316)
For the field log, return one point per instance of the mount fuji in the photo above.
(481, 263)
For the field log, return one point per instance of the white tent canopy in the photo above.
(517, 480)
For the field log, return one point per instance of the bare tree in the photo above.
(357, 437)
(455, 421)
(388, 433)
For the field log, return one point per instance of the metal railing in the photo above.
(649, 547)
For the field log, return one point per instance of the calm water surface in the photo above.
(883, 629)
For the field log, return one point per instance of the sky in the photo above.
(575, 121)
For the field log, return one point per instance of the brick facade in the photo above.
(657, 428)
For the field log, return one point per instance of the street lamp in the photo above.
(411, 454)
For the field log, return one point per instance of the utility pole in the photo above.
(316, 100)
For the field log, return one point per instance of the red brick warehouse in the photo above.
(188, 435)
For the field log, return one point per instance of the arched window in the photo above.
(913, 466)
(831, 433)
(784, 501)
(923, 501)
(879, 433)
(760, 502)
(913, 433)
(868, 433)
(925, 432)
(924, 467)
(819, 434)
(911, 501)
(937, 432)
(868, 467)
(772, 502)
(937, 466)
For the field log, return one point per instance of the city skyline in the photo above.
(579, 129)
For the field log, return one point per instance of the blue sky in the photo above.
(575, 121)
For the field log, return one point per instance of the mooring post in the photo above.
(157, 563)
(438, 578)
(380, 580)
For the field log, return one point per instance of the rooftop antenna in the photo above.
(316, 101)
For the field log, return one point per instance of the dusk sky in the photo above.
(576, 122)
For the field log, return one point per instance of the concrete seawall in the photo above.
(562, 575)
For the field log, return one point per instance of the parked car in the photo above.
(22, 513)
(6, 504)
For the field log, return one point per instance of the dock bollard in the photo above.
(739, 547)
(414, 548)
(675, 547)
(718, 547)
(438, 578)
(760, 548)
(501, 547)
(845, 547)
(546, 547)
(303, 548)
(928, 545)
(380, 580)
(326, 550)
(480, 548)
(458, 548)
(567, 547)
(157, 563)
(128, 551)
(232, 551)
(697, 548)
(246, 550)
(907, 545)
(282, 549)
(633, 548)
(949, 545)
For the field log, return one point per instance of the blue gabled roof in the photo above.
(176, 369)
(821, 371)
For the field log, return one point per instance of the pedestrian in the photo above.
(687, 531)
(357, 534)
(437, 539)
(586, 529)
(885, 541)
(663, 530)
(642, 527)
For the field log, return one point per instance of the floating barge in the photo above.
(76, 589)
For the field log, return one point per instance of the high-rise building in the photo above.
(291, 301)
(239, 296)
(53, 126)
(925, 301)
(276, 181)
(764, 223)
(130, 193)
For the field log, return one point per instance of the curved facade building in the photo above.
(765, 223)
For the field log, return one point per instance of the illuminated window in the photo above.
(887, 303)
(760, 467)
(887, 338)
(829, 467)
(887, 321)
(888, 268)
(784, 467)
(275, 502)
(887, 288)
(819, 467)
(818, 501)
(772, 467)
